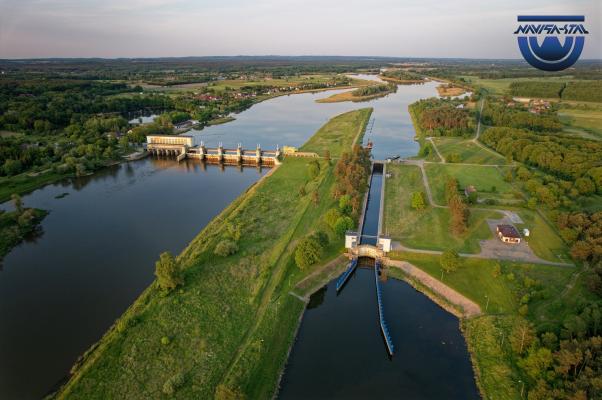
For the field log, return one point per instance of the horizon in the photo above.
(466, 29)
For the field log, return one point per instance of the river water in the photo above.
(60, 292)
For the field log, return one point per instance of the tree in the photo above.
(327, 156)
(342, 225)
(522, 336)
(345, 204)
(331, 217)
(418, 202)
(17, 202)
(315, 197)
(308, 252)
(450, 260)
(167, 272)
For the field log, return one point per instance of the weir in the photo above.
(182, 147)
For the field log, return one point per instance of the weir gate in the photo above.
(182, 146)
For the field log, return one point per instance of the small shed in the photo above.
(384, 243)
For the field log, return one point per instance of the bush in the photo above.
(321, 237)
(345, 204)
(165, 341)
(225, 248)
(308, 252)
(418, 202)
(173, 383)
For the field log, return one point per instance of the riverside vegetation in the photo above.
(224, 330)
(539, 337)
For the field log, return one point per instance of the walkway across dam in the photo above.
(182, 146)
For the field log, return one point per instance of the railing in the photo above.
(381, 313)
(345, 275)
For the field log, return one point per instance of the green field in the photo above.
(334, 136)
(220, 323)
(482, 178)
(429, 228)
(502, 86)
(543, 239)
(468, 151)
(587, 123)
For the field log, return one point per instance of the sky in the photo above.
(169, 28)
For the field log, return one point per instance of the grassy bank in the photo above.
(228, 330)
(25, 183)
(499, 288)
(335, 136)
(428, 228)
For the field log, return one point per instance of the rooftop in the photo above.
(508, 231)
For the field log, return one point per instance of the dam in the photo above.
(182, 146)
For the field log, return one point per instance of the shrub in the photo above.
(314, 169)
(225, 248)
(165, 341)
(321, 237)
(418, 202)
(345, 204)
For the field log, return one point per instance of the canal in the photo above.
(60, 291)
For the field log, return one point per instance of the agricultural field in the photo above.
(585, 122)
(466, 151)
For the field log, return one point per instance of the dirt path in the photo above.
(469, 307)
(430, 139)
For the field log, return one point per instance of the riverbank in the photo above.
(17, 226)
(350, 96)
(229, 307)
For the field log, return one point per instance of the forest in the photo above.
(499, 114)
(374, 90)
(442, 117)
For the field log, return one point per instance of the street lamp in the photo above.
(487, 305)
(522, 388)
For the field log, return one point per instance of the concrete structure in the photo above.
(384, 243)
(508, 234)
(182, 147)
(351, 240)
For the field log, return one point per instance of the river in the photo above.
(60, 292)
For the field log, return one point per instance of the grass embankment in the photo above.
(26, 182)
(230, 327)
(358, 95)
(466, 151)
(335, 136)
(429, 228)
